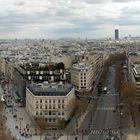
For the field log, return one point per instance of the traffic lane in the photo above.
(98, 120)
(98, 125)
(103, 114)
(101, 103)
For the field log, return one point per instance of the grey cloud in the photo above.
(124, 0)
(20, 3)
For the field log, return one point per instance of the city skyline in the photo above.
(61, 18)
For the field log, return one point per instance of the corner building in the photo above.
(54, 102)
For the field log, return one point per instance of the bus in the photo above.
(105, 90)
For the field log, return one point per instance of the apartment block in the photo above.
(54, 102)
(38, 72)
(82, 77)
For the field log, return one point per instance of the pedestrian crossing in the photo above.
(111, 95)
(105, 108)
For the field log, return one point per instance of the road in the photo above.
(105, 120)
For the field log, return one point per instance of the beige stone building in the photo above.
(54, 102)
(67, 60)
(82, 77)
(7, 68)
(2, 65)
(84, 74)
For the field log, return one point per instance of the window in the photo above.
(58, 101)
(40, 100)
(62, 106)
(53, 101)
(62, 101)
(40, 106)
(50, 113)
(46, 113)
(58, 106)
(37, 113)
(54, 113)
(45, 106)
(53, 106)
(36, 106)
(49, 106)
(36, 101)
(58, 113)
(49, 101)
(45, 101)
(62, 113)
(40, 113)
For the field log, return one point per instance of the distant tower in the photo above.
(116, 34)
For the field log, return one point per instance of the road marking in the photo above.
(112, 95)
(105, 108)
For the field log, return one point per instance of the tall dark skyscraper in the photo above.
(116, 34)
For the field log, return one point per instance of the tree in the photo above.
(62, 123)
(118, 76)
(128, 96)
(60, 65)
(41, 122)
(128, 93)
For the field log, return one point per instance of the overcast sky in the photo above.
(68, 18)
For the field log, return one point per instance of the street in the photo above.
(105, 119)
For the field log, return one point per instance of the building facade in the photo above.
(54, 102)
(27, 73)
(82, 77)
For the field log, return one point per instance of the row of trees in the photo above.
(118, 76)
(117, 57)
(50, 66)
(127, 89)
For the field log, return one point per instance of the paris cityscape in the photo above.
(70, 70)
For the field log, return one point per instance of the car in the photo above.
(114, 110)
(112, 138)
(16, 127)
(15, 115)
(108, 92)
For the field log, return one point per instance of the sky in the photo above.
(68, 18)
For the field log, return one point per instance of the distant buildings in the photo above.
(54, 102)
(66, 59)
(116, 34)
